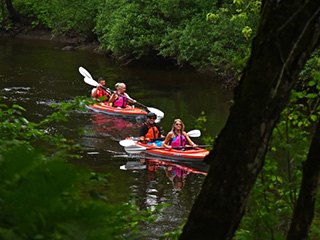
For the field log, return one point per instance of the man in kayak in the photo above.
(151, 131)
(99, 92)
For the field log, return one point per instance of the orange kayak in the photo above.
(104, 108)
(178, 154)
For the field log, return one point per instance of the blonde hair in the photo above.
(120, 85)
(174, 124)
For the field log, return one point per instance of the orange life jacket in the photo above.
(153, 132)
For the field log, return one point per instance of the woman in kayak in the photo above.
(99, 92)
(120, 98)
(177, 137)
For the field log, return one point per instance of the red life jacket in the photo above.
(102, 93)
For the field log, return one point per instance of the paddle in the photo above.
(138, 149)
(89, 80)
(85, 73)
(93, 83)
(130, 142)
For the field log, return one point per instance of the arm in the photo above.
(189, 140)
(130, 100)
(143, 132)
(112, 98)
(166, 142)
(94, 92)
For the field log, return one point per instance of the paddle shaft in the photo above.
(149, 140)
(93, 82)
(197, 146)
(121, 95)
(132, 141)
(106, 89)
(150, 148)
(135, 101)
(153, 139)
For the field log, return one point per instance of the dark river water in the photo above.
(36, 74)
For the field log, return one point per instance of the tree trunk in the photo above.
(13, 14)
(304, 211)
(3, 13)
(288, 33)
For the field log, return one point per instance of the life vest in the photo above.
(102, 93)
(121, 101)
(153, 132)
(178, 141)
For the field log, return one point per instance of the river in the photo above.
(38, 73)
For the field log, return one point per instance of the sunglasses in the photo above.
(178, 124)
(152, 118)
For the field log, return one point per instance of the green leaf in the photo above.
(314, 117)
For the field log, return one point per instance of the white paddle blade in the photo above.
(85, 73)
(123, 167)
(134, 149)
(194, 133)
(156, 111)
(91, 82)
(127, 143)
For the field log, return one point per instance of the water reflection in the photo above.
(102, 129)
(104, 123)
(175, 171)
(162, 181)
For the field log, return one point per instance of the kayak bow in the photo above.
(181, 153)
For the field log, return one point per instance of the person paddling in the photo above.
(120, 98)
(150, 130)
(177, 137)
(99, 92)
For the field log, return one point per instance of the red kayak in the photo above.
(104, 108)
(183, 153)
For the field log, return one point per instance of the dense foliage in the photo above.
(44, 197)
(173, 29)
(203, 34)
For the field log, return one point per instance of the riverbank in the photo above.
(72, 42)
(76, 42)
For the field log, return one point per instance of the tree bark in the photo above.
(13, 14)
(3, 13)
(304, 210)
(288, 32)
